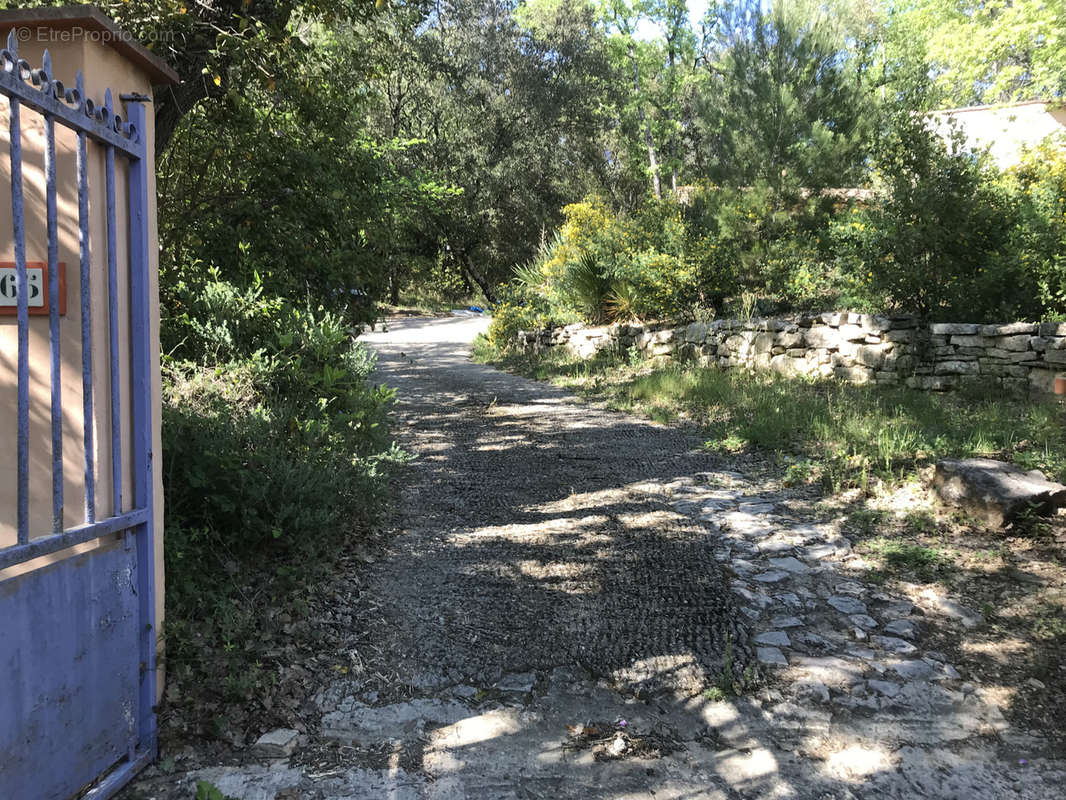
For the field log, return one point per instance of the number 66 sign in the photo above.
(36, 283)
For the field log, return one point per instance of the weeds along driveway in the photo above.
(568, 601)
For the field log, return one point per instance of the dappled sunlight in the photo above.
(743, 767)
(583, 530)
(552, 570)
(1000, 649)
(558, 621)
(858, 762)
(593, 500)
(476, 730)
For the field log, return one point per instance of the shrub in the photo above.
(1039, 240)
(946, 236)
(602, 266)
(253, 474)
(214, 320)
(937, 241)
(275, 452)
(763, 241)
(518, 308)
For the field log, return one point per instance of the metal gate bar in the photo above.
(86, 323)
(112, 321)
(55, 370)
(22, 296)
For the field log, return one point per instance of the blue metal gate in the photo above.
(77, 634)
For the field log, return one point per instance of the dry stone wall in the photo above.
(859, 348)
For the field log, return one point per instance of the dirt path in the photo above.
(570, 592)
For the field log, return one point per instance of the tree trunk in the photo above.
(394, 287)
(649, 142)
(653, 162)
(673, 138)
(468, 268)
(172, 103)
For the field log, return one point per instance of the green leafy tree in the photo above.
(216, 45)
(985, 51)
(656, 71)
(504, 107)
(279, 184)
(783, 97)
(938, 239)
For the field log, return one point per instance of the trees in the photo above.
(653, 54)
(985, 51)
(217, 46)
(503, 106)
(317, 147)
(936, 242)
(783, 97)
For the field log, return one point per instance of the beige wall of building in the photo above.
(1005, 130)
(103, 66)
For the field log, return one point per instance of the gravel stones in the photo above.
(771, 576)
(832, 671)
(775, 638)
(884, 688)
(901, 627)
(847, 605)
(542, 537)
(518, 682)
(936, 603)
(790, 564)
(893, 644)
(280, 743)
(771, 656)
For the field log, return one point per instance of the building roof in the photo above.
(92, 19)
(998, 106)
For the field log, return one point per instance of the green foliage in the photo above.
(757, 240)
(518, 309)
(288, 195)
(248, 435)
(275, 455)
(1039, 239)
(605, 266)
(936, 242)
(784, 100)
(912, 560)
(206, 790)
(501, 102)
(989, 51)
(585, 286)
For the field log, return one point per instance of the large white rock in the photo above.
(996, 491)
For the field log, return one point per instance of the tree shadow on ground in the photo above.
(536, 537)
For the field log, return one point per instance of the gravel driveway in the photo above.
(570, 595)
(535, 534)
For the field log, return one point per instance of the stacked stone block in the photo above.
(858, 348)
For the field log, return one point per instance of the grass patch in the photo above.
(897, 558)
(841, 434)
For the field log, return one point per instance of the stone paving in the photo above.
(831, 641)
(526, 607)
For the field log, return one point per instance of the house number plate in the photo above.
(36, 282)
